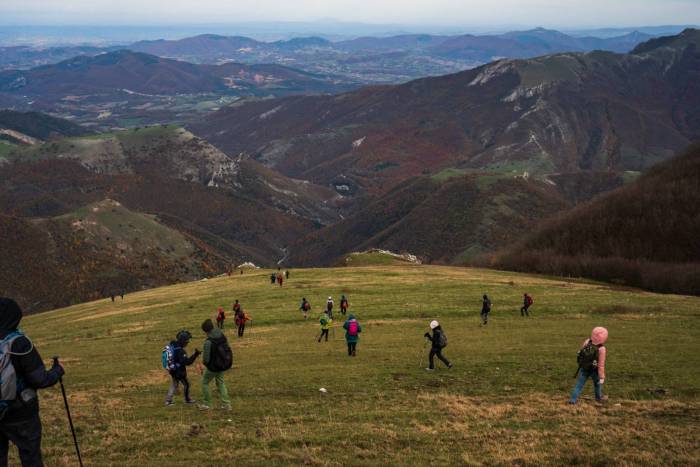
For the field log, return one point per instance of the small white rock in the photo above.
(323, 390)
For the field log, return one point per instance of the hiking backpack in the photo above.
(529, 300)
(442, 340)
(587, 357)
(221, 358)
(8, 376)
(353, 328)
(307, 306)
(168, 357)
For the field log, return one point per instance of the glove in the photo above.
(601, 381)
(197, 352)
(58, 369)
(427, 336)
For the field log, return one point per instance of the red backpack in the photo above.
(529, 300)
(352, 328)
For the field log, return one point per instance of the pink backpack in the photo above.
(352, 328)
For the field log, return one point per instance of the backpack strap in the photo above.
(11, 338)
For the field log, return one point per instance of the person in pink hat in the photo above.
(591, 364)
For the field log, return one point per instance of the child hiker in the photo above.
(326, 323)
(176, 362)
(220, 317)
(241, 318)
(352, 334)
(485, 309)
(343, 305)
(305, 307)
(591, 364)
(438, 342)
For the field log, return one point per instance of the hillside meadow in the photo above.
(502, 403)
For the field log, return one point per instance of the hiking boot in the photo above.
(449, 366)
(191, 401)
(430, 369)
(204, 407)
(226, 407)
(169, 403)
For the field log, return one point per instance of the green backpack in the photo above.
(587, 357)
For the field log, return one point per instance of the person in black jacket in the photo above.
(485, 309)
(438, 342)
(20, 423)
(180, 363)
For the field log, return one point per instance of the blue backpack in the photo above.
(168, 358)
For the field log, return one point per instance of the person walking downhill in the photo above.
(352, 334)
(305, 307)
(220, 317)
(23, 374)
(591, 364)
(177, 361)
(527, 303)
(329, 307)
(241, 318)
(343, 305)
(217, 359)
(326, 324)
(438, 342)
(273, 278)
(485, 309)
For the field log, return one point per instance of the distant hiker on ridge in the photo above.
(527, 303)
(343, 305)
(485, 309)
(176, 361)
(438, 342)
(273, 278)
(19, 421)
(280, 279)
(220, 317)
(329, 307)
(305, 307)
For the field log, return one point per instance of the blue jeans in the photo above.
(583, 376)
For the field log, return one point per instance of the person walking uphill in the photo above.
(527, 303)
(305, 307)
(241, 318)
(439, 342)
(217, 359)
(485, 309)
(220, 317)
(591, 364)
(352, 334)
(177, 361)
(326, 323)
(23, 373)
(343, 305)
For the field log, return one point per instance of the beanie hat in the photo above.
(434, 324)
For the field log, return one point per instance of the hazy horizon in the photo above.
(556, 14)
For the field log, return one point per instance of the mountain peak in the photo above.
(689, 36)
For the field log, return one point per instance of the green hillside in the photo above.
(502, 403)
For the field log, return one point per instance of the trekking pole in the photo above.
(70, 419)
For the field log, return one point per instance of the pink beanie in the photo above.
(599, 335)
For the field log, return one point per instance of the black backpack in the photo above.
(442, 339)
(587, 357)
(221, 357)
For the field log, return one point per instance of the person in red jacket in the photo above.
(527, 303)
(240, 319)
(220, 317)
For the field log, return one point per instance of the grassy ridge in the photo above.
(502, 403)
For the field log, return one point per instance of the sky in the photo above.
(547, 13)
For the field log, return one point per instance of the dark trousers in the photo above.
(26, 435)
(523, 310)
(324, 332)
(352, 348)
(438, 352)
(220, 323)
(241, 329)
(485, 317)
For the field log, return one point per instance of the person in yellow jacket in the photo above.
(326, 323)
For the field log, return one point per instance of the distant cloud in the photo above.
(552, 13)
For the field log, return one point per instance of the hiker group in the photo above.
(351, 326)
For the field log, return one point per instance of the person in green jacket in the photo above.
(326, 323)
(352, 334)
(214, 336)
